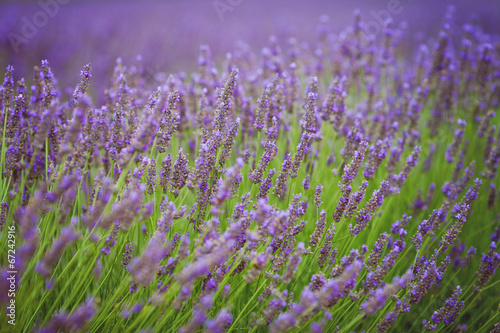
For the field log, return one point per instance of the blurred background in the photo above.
(168, 34)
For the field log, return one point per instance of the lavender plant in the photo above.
(276, 192)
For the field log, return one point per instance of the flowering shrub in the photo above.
(336, 188)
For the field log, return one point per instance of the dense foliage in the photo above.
(335, 185)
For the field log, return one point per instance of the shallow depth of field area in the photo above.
(343, 182)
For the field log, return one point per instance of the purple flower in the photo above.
(144, 267)
(351, 170)
(306, 183)
(111, 239)
(342, 203)
(338, 288)
(426, 276)
(310, 123)
(365, 214)
(302, 148)
(452, 149)
(376, 156)
(82, 87)
(67, 237)
(377, 300)
(449, 312)
(335, 105)
(74, 322)
(270, 151)
(389, 319)
(220, 323)
(489, 264)
(127, 255)
(378, 248)
(180, 173)
(166, 173)
(411, 162)
(317, 195)
(280, 187)
(4, 206)
(265, 187)
(354, 200)
(318, 232)
(326, 250)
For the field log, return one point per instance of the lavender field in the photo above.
(249, 166)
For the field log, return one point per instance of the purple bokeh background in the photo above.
(168, 34)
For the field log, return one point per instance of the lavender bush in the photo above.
(336, 186)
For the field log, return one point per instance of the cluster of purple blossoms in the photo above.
(326, 251)
(318, 232)
(270, 151)
(448, 313)
(452, 149)
(355, 199)
(365, 214)
(209, 224)
(281, 187)
(426, 275)
(411, 162)
(378, 298)
(334, 107)
(302, 149)
(376, 275)
(377, 154)
(72, 322)
(489, 264)
(351, 170)
(180, 173)
(389, 319)
(4, 207)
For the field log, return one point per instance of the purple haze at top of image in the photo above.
(167, 34)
